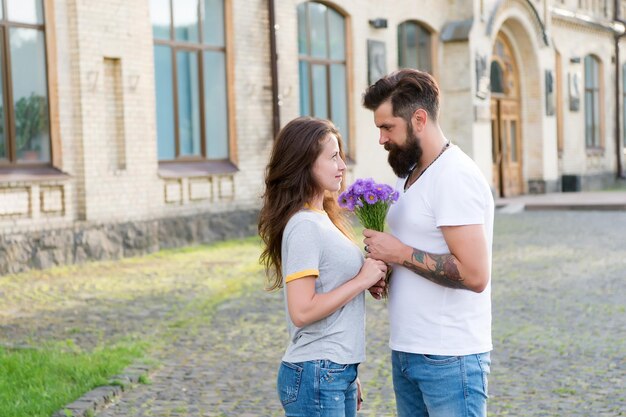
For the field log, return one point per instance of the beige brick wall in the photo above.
(106, 104)
(369, 156)
(107, 127)
(576, 41)
(121, 31)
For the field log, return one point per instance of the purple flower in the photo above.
(347, 200)
(343, 200)
(370, 197)
(366, 192)
(358, 188)
(369, 183)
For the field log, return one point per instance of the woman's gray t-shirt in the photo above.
(313, 245)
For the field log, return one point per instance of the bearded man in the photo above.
(440, 248)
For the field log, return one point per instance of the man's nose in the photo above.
(383, 139)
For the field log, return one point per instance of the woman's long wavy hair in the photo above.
(290, 185)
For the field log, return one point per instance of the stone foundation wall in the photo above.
(83, 242)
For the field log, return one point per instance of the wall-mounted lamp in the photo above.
(378, 23)
(574, 60)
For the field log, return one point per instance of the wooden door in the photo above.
(505, 120)
(506, 147)
(511, 149)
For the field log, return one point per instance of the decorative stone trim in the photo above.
(52, 200)
(201, 189)
(15, 202)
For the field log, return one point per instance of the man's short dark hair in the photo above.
(408, 90)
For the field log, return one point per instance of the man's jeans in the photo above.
(440, 386)
(319, 388)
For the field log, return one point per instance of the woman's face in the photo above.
(329, 168)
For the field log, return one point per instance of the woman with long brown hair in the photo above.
(308, 252)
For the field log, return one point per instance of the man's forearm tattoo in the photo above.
(439, 269)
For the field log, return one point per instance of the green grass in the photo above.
(38, 382)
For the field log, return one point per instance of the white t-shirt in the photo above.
(425, 317)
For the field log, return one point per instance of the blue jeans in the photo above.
(319, 388)
(440, 386)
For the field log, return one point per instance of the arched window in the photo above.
(496, 78)
(24, 108)
(190, 79)
(592, 102)
(414, 47)
(322, 65)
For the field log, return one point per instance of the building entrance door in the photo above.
(505, 121)
(505, 137)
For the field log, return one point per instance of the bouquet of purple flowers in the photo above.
(370, 203)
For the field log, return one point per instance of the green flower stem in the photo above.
(372, 216)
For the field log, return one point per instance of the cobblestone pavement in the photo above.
(559, 308)
(228, 368)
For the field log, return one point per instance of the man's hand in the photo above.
(465, 267)
(385, 247)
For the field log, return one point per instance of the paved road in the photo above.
(559, 320)
(559, 333)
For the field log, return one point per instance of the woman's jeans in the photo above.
(440, 386)
(319, 388)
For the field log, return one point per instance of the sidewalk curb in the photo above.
(573, 207)
(511, 208)
(99, 398)
(579, 201)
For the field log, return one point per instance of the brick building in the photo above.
(133, 125)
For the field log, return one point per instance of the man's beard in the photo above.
(403, 158)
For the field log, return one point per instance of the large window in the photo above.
(414, 47)
(322, 64)
(592, 102)
(190, 79)
(24, 111)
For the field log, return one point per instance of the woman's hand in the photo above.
(359, 394)
(306, 306)
(371, 272)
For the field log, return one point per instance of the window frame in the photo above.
(432, 44)
(10, 164)
(594, 144)
(327, 62)
(186, 164)
(558, 81)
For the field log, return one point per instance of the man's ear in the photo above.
(419, 119)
